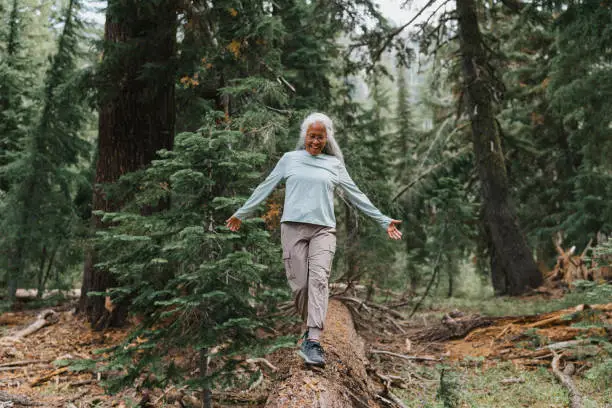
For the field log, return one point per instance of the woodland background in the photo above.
(485, 127)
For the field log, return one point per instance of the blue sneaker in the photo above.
(312, 353)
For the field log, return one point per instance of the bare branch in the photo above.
(398, 30)
(405, 357)
(566, 380)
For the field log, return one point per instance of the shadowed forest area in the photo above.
(131, 130)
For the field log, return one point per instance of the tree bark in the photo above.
(514, 270)
(137, 116)
(342, 383)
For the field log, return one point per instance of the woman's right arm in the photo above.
(262, 191)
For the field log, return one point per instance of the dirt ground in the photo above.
(31, 366)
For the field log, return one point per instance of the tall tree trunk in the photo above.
(512, 261)
(137, 116)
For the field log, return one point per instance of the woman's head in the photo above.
(318, 130)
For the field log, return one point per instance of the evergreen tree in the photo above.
(403, 148)
(539, 162)
(579, 90)
(196, 285)
(12, 112)
(137, 116)
(39, 215)
(512, 266)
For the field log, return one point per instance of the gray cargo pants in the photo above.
(308, 253)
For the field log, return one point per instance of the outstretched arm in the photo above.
(261, 192)
(363, 203)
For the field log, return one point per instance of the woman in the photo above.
(308, 224)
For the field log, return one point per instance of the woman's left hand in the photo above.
(392, 230)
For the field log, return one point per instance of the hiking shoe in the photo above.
(312, 353)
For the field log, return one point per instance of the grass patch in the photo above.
(468, 385)
(490, 305)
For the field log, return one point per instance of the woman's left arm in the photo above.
(363, 203)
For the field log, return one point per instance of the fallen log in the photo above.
(454, 328)
(18, 399)
(342, 383)
(474, 326)
(44, 318)
(32, 294)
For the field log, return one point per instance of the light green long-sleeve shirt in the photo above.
(310, 182)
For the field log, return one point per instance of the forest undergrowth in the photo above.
(457, 352)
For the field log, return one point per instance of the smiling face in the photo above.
(316, 138)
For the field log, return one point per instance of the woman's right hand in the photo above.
(233, 223)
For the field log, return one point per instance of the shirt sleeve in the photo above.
(359, 199)
(263, 190)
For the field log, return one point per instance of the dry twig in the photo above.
(48, 376)
(23, 362)
(405, 357)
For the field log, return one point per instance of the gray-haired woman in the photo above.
(308, 225)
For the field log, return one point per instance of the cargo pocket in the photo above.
(332, 251)
(287, 262)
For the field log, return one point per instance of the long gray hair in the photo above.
(331, 147)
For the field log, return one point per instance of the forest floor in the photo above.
(444, 356)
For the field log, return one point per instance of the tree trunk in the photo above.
(137, 116)
(342, 383)
(511, 257)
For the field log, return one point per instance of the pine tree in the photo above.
(12, 112)
(197, 286)
(579, 90)
(136, 119)
(403, 147)
(39, 213)
(512, 266)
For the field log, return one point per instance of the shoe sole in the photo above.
(307, 361)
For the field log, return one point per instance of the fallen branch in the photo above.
(366, 305)
(405, 357)
(566, 380)
(565, 344)
(396, 399)
(44, 318)
(83, 382)
(262, 361)
(48, 376)
(387, 382)
(23, 362)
